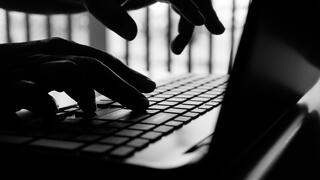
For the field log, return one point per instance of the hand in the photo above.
(113, 14)
(192, 13)
(30, 70)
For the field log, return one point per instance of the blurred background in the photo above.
(150, 52)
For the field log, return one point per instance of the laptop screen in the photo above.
(274, 66)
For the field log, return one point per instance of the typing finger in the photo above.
(188, 9)
(108, 83)
(185, 30)
(212, 21)
(65, 75)
(23, 94)
(113, 16)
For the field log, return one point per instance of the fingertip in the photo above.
(214, 25)
(142, 104)
(130, 31)
(219, 28)
(177, 46)
(150, 86)
(139, 104)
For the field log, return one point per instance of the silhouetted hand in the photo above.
(192, 13)
(32, 69)
(113, 14)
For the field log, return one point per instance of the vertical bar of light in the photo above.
(48, 26)
(169, 37)
(210, 53)
(147, 36)
(27, 21)
(232, 39)
(189, 63)
(69, 27)
(8, 26)
(127, 53)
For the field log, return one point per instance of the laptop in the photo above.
(204, 121)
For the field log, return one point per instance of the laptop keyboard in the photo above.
(118, 132)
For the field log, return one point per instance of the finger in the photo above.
(139, 81)
(113, 16)
(185, 30)
(108, 83)
(189, 11)
(31, 96)
(211, 19)
(65, 75)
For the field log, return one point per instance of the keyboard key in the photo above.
(122, 152)
(152, 103)
(159, 118)
(138, 118)
(57, 144)
(87, 137)
(151, 135)
(200, 99)
(176, 99)
(184, 106)
(62, 135)
(213, 93)
(190, 114)
(152, 111)
(163, 129)
(129, 133)
(104, 130)
(97, 149)
(117, 115)
(212, 103)
(183, 119)
(97, 122)
(168, 103)
(119, 124)
(174, 123)
(142, 127)
(156, 99)
(158, 107)
(206, 95)
(191, 93)
(198, 90)
(101, 112)
(198, 110)
(11, 139)
(175, 111)
(190, 102)
(115, 140)
(138, 143)
(173, 92)
(184, 96)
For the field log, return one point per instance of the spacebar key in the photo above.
(56, 144)
(159, 118)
